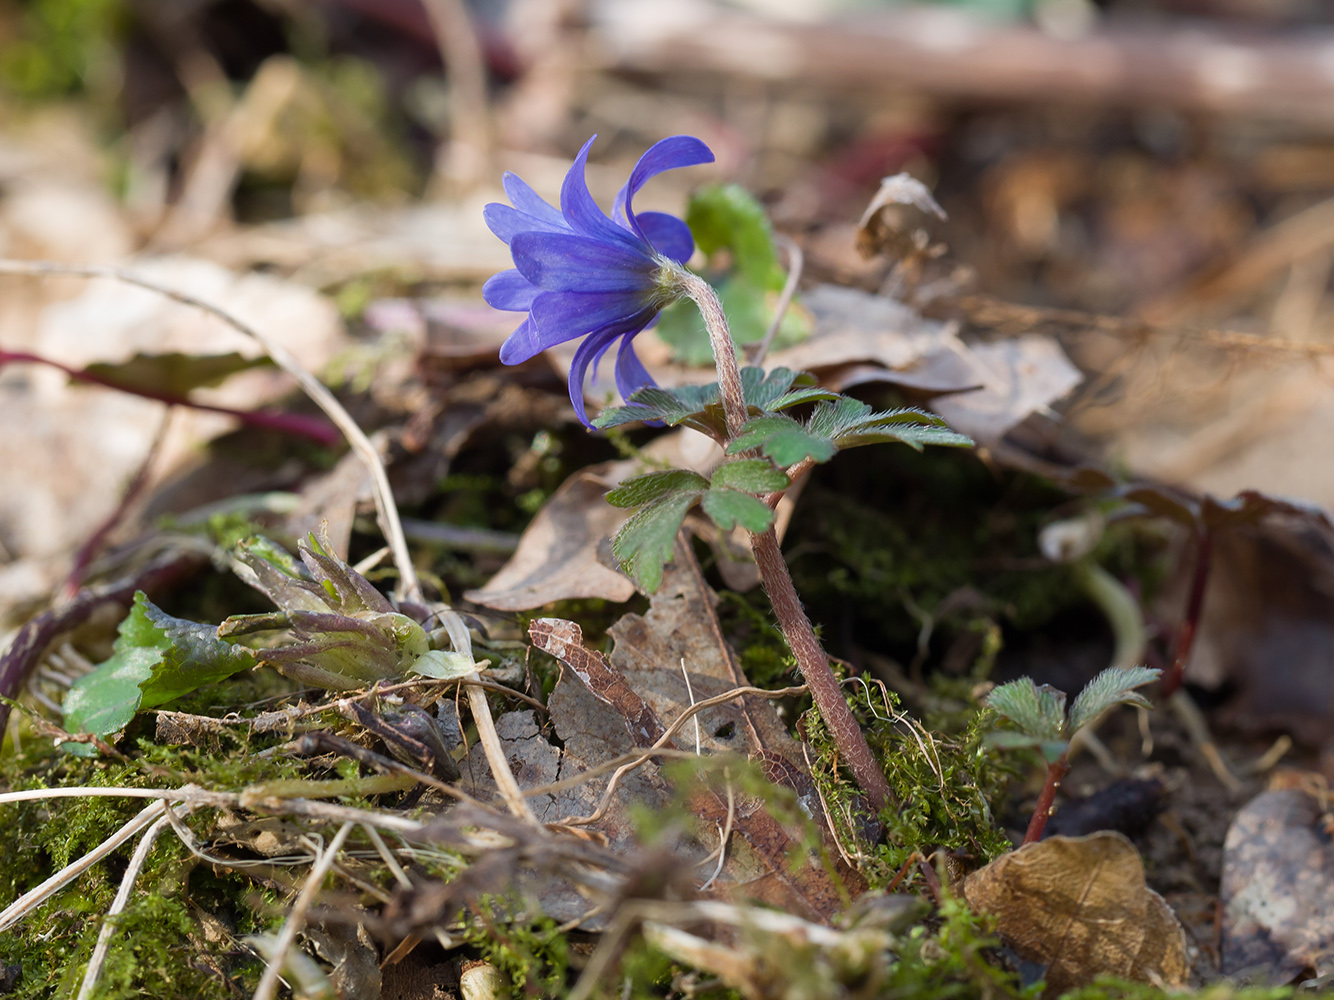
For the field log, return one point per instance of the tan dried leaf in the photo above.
(1080, 906)
(557, 558)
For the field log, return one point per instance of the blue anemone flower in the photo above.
(578, 273)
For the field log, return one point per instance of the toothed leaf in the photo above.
(647, 540)
(728, 508)
(654, 486)
(752, 475)
(1039, 712)
(1114, 686)
(783, 440)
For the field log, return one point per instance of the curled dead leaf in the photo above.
(1080, 906)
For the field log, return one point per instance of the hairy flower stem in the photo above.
(797, 631)
(814, 664)
(724, 351)
(1056, 772)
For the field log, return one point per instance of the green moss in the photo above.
(946, 787)
(533, 952)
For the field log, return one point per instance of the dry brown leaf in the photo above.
(852, 326)
(565, 552)
(1268, 625)
(643, 683)
(1278, 888)
(1019, 377)
(898, 221)
(557, 558)
(1080, 906)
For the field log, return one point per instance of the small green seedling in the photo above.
(1043, 723)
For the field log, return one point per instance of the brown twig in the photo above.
(1190, 624)
(982, 310)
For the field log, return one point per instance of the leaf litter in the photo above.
(698, 827)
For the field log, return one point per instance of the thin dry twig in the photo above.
(983, 310)
(796, 261)
(197, 796)
(649, 752)
(34, 897)
(268, 984)
(136, 865)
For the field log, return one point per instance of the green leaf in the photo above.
(696, 406)
(763, 390)
(1114, 686)
(173, 374)
(647, 540)
(700, 407)
(850, 423)
(799, 396)
(655, 486)
(752, 475)
(1039, 712)
(442, 664)
(156, 658)
(1008, 739)
(782, 439)
(192, 656)
(105, 700)
(727, 508)
(727, 217)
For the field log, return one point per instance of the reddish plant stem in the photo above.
(1185, 638)
(1056, 772)
(314, 428)
(814, 666)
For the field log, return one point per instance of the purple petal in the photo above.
(527, 201)
(561, 262)
(582, 212)
(510, 290)
(668, 154)
(507, 222)
(562, 316)
(668, 234)
(593, 347)
(521, 345)
(630, 371)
